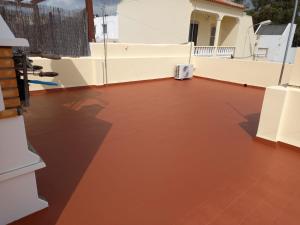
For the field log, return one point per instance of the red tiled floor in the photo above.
(160, 153)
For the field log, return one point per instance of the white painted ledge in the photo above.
(14, 42)
(280, 116)
(13, 145)
(18, 190)
(7, 38)
(271, 114)
(19, 198)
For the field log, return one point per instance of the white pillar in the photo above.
(217, 34)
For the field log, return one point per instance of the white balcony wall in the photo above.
(255, 73)
(125, 63)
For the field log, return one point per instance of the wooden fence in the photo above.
(49, 29)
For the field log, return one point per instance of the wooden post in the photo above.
(90, 18)
(37, 26)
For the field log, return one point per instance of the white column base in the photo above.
(18, 190)
(271, 114)
(19, 195)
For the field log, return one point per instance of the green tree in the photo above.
(239, 1)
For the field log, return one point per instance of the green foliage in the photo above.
(279, 11)
(239, 1)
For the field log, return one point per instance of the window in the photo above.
(193, 35)
(212, 36)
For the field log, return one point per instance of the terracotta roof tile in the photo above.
(228, 3)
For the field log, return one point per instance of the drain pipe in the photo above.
(288, 42)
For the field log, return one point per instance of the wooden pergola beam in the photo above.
(36, 1)
(30, 4)
(17, 3)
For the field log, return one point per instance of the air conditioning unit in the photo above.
(184, 71)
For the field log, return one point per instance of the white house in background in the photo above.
(112, 26)
(217, 27)
(272, 41)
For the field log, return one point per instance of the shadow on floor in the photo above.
(251, 124)
(68, 147)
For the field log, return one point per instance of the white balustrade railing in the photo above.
(204, 50)
(226, 52)
(210, 51)
(262, 53)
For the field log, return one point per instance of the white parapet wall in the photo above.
(246, 71)
(272, 113)
(73, 72)
(295, 74)
(18, 190)
(135, 62)
(255, 73)
(280, 116)
(125, 63)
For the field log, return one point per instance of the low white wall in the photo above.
(280, 118)
(136, 69)
(290, 122)
(73, 72)
(135, 62)
(272, 113)
(256, 73)
(125, 63)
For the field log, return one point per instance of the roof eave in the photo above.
(229, 4)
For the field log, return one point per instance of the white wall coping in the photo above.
(7, 38)
(15, 42)
(21, 171)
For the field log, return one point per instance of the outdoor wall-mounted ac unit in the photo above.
(184, 71)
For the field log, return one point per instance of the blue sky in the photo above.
(79, 4)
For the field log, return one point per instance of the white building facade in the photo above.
(220, 23)
(272, 39)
